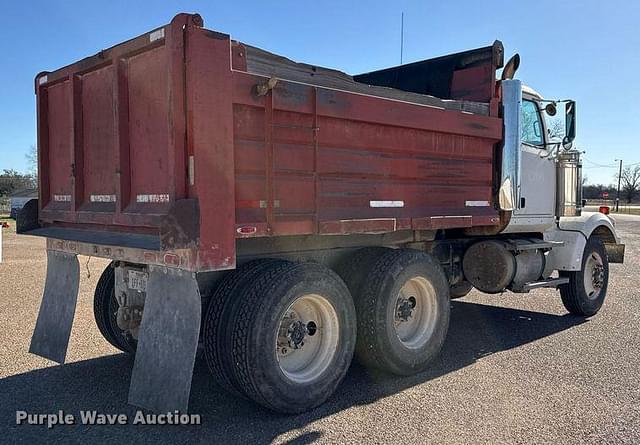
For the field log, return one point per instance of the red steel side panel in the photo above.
(312, 160)
(210, 142)
(112, 134)
(59, 144)
(148, 129)
(99, 134)
(474, 84)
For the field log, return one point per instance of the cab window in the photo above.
(531, 124)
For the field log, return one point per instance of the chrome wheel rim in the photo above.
(593, 275)
(307, 338)
(415, 313)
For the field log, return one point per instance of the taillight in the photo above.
(604, 210)
(247, 230)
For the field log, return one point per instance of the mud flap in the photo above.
(167, 342)
(51, 336)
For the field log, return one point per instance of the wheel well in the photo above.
(605, 234)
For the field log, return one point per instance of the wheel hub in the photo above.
(594, 275)
(597, 277)
(415, 312)
(307, 338)
(293, 332)
(405, 307)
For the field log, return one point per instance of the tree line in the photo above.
(12, 181)
(629, 186)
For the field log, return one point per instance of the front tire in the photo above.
(292, 336)
(403, 312)
(587, 288)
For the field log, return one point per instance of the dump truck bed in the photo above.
(168, 147)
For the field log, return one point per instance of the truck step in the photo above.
(551, 282)
(531, 244)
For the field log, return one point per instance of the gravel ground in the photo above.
(515, 369)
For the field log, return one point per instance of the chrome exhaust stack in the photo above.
(568, 184)
(509, 193)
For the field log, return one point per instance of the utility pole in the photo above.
(618, 194)
(401, 36)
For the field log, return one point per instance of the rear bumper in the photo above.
(174, 245)
(129, 240)
(615, 252)
(177, 258)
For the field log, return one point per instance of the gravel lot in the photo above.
(515, 369)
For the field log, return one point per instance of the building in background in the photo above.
(19, 198)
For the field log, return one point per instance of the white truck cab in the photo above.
(541, 187)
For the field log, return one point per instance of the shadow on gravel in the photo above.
(102, 384)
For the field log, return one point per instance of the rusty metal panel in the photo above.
(112, 133)
(149, 130)
(475, 83)
(59, 144)
(98, 126)
(334, 159)
(210, 141)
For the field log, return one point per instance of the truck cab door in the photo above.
(536, 209)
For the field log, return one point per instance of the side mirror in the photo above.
(570, 125)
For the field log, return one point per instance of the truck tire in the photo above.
(293, 334)
(355, 268)
(460, 289)
(587, 288)
(215, 332)
(105, 308)
(403, 312)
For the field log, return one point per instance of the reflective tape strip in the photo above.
(386, 203)
(156, 35)
(103, 198)
(62, 198)
(153, 199)
(477, 203)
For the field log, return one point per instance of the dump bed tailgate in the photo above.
(112, 134)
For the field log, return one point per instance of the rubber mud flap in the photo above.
(51, 336)
(167, 341)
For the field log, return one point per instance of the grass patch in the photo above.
(624, 210)
(628, 211)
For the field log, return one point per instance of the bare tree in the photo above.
(32, 160)
(630, 182)
(556, 128)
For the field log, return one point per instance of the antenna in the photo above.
(401, 36)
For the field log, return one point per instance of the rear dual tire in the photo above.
(402, 303)
(283, 335)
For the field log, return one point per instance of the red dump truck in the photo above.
(283, 217)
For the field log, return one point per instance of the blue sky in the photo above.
(585, 50)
